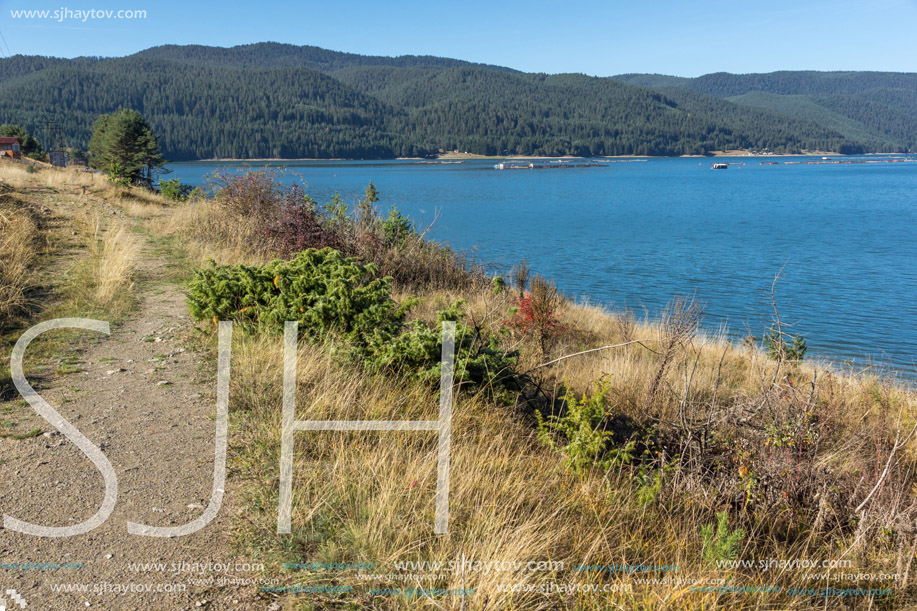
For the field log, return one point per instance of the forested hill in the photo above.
(878, 109)
(277, 100)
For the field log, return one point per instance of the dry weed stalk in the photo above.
(543, 302)
(680, 322)
(521, 277)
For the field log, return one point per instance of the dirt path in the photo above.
(147, 400)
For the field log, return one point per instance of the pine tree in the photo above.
(123, 144)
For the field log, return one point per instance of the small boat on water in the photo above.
(720, 166)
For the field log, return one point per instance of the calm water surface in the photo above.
(634, 234)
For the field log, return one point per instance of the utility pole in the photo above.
(56, 154)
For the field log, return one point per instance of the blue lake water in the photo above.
(634, 234)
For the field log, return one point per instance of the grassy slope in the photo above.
(786, 449)
(369, 497)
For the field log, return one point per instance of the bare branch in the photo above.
(609, 347)
(885, 471)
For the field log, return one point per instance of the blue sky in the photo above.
(685, 37)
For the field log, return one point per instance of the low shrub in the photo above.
(396, 227)
(335, 297)
(118, 175)
(582, 430)
(720, 545)
(255, 194)
(173, 189)
(586, 431)
(479, 359)
(536, 312)
(777, 347)
(298, 225)
(329, 294)
(255, 211)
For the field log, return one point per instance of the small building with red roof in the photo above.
(10, 147)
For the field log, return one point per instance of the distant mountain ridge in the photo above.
(879, 109)
(724, 84)
(277, 55)
(272, 100)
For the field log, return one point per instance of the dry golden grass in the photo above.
(76, 180)
(73, 178)
(206, 232)
(369, 498)
(15, 174)
(102, 279)
(20, 247)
